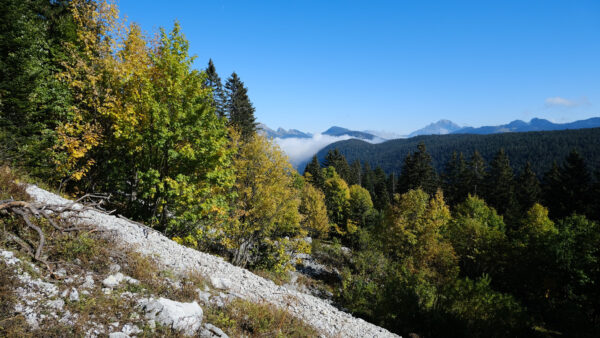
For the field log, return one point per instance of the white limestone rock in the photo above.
(211, 331)
(186, 317)
(221, 283)
(113, 280)
(130, 329)
(74, 295)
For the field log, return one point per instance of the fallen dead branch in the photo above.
(55, 215)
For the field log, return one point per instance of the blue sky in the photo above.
(396, 65)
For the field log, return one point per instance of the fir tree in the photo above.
(355, 173)
(335, 159)
(418, 172)
(313, 170)
(577, 182)
(553, 190)
(214, 81)
(500, 183)
(528, 190)
(368, 179)
(239, 108)
(454, 179)
(475, 174)
(381, 197)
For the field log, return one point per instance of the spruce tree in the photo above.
(381, 197)
(454, 179)
(335, 159)
(418, 172)
(213, 81)
(368, 178)
(355, 173)
(239, 108)
(577, 182)
(313, 169)
(553, 191)
(499, 192)
(476, 173)
(528, 190)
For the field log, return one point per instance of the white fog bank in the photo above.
(300, 150)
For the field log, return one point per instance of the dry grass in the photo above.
(11, 324)
(244, 318)
(9, 189)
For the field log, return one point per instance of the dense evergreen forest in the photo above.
(479, 236)
(540, 149)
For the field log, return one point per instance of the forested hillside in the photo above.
(454, 235)
(541, 149)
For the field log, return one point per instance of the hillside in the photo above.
(540, 148)
(224, 285)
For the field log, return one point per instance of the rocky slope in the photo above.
(232, 281)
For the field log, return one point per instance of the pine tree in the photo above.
(368, 178)
(553, 191)
(381, 197)
(476, 173)
(314, 173)
(214, 81)
(499, 190)
(335, 159)
(418, 172)
(355, 173)
(33, 39)
(454, 179)
(567, 189)
(577, 181)
(528, 190)
(239, 108)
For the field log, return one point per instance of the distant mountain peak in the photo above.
(536, 124)
(340, 131)
(440, 127)
(282, 133)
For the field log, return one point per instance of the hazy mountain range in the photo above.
(301, 146)
(441, 127)
(533, 125)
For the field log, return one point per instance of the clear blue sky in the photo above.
(396, 65)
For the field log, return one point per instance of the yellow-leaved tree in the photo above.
(264, 229)
(88, 72)
(314, 211)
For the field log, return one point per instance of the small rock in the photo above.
(9, 257)
(210, 331)
(130, 329)
(115, 324)
(203, 296)
(220, 283)
(107, 291)
(74, 296)
(89, 282)
(134, 316)
(56, 304)
(114, 268)
(186, 317)
(118, 335)
(131, 280)
(61, 273)
(151, 324)
(113, 280)
(65, 293)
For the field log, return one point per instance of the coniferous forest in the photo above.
(485, 241)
